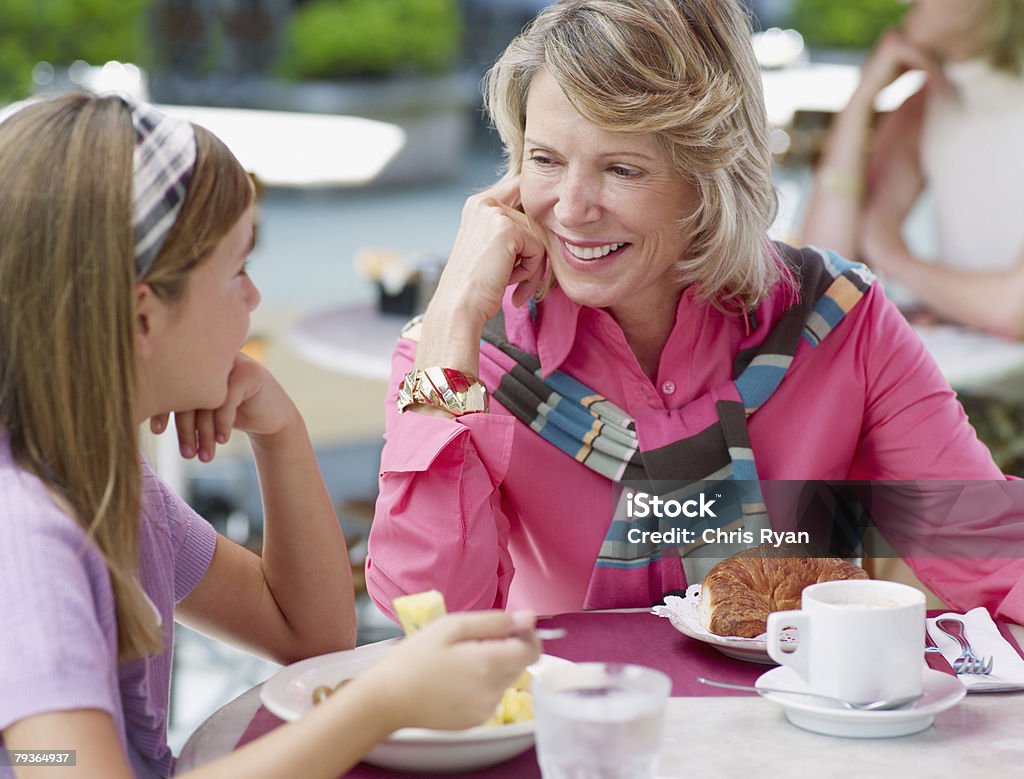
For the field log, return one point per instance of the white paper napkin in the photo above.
(986, 640)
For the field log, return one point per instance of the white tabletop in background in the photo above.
(358, 341)
(971, 360)
(291, 149)
(825, 87)
(352, 340)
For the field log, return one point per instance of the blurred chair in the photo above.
(356, 516)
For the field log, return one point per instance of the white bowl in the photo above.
(440, 751)
(289, 694)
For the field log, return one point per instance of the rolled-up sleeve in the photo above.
(440, 521)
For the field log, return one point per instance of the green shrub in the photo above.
(844, 24)
(341, 38)
(62, 31)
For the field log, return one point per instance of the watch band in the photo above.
(456, 392)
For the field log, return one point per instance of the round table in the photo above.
(974, 362)
(748, 737)
(313, 155)
(219, 734)
(354, 340)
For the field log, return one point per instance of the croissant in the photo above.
(739, 593)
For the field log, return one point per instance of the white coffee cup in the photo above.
(860, 640)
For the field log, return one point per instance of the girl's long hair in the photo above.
(67, 321)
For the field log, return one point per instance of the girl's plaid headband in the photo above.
(163, 163)
(165, 158)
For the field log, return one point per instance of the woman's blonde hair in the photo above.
(67, 322)
(1005, 50)
(684, 71)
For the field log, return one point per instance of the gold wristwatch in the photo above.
(456, 392)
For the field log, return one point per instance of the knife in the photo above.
(933, 656)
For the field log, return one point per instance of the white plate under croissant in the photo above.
(684, 614)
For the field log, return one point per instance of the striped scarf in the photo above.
(712, 457)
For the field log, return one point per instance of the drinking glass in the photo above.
(599, 720)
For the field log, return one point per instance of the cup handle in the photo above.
(796, 659)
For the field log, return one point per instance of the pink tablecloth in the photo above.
(639, 637)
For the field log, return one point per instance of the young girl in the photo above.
(123, 297)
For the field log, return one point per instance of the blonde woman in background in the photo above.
(960, 136)
(124, 237)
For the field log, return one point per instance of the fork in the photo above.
(968, 662)
(933, 656)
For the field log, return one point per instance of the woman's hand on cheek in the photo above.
(496, 246)
(530, 269)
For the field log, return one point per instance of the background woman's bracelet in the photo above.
(840, 182)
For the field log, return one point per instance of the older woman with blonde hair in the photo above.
(613, 316)
(958, 137)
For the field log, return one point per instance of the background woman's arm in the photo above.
(987, 300)
(835, 208)
(833, 214)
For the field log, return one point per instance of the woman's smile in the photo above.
(589, 256)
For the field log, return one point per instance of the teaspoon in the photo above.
(882, 705)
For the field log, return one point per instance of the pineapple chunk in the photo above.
(515, 706)
(523, 682)
(518, 705)
(415, 611)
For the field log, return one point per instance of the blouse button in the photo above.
(668, 387)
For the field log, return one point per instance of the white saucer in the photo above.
(941, 691)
